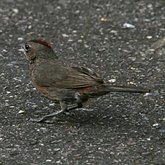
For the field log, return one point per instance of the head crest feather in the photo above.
(43, 42)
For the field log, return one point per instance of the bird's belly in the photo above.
(40, 89)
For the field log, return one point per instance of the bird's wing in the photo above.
(79, 77)
(60, 76)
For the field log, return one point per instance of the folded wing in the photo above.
(57, 75)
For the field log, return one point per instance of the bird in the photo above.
(64, 83)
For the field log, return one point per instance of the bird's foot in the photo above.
(47, 117)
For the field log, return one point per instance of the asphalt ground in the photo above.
(121, 40)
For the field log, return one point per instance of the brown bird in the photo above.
(63, 83)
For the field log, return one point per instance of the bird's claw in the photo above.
(46, 117)
(40, 120)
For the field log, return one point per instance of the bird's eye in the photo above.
(27, 47)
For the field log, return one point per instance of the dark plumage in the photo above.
(66, 84)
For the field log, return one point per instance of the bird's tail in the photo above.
(107, 88)
(129, 89)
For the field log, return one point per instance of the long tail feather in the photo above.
(127, 89)
(107, 88)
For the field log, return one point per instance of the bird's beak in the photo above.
(22, 49)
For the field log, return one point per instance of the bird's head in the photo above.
(38, 48)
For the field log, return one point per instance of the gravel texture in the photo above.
(121, 40)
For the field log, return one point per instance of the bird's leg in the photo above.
(63, 110)
(46, 117)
